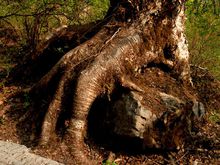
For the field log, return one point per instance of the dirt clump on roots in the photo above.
(203, 147)
(139, 66)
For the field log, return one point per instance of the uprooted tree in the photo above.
(138, 60)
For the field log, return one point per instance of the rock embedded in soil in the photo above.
(161, 121)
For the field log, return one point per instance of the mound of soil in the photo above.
(203, 148)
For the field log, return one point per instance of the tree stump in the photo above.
(142, 49)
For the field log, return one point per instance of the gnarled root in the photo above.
(92, 66)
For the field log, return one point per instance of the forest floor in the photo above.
(203, 149)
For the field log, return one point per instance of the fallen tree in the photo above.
(137, 63)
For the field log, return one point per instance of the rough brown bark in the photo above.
(144, 35)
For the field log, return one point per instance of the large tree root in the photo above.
(112, 59)
(105, 69)
(84, 52)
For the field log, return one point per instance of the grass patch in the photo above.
(203, 29)
(214, 117)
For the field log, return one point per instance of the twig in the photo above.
(106, 42)
(181, 157)
(197, 66)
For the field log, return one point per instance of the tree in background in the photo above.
(33, 21)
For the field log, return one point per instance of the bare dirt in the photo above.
(203, 148)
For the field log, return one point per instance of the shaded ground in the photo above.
(203, 148)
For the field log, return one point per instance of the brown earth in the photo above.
(202, 148)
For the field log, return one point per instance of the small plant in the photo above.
(107, 162)
(2, 85)
(1, 120)
(215, 117)
(26, 101)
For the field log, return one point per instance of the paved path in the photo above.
(16, 154)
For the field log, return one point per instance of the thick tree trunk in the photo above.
(143, 36)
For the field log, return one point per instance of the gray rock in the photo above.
(198, 109)
(132, 117)
(16, 154)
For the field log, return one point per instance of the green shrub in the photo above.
(33, 19)
(203, 32)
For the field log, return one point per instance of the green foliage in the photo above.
(99, 8)
(1, 120)
(33, 19)
(203, 32)
(5, 68)
(215, 117)
(27, 101)
(109, 163)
